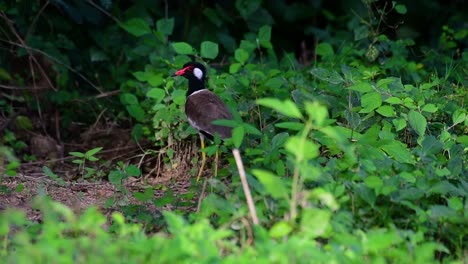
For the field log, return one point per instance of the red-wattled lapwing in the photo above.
(203, 107)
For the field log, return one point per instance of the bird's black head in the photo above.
(192, 71)
(195, 72)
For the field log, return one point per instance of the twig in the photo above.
(103, 95)
(245, 186)
(33, 23)
(28, 48)
(9, 87)
(201, 195)
(31, 55)
(103, 11)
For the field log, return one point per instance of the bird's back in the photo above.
(202, 108)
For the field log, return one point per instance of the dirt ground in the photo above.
(80, 193)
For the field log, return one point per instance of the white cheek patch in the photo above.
(198, 73)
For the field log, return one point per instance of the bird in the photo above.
(202, 107)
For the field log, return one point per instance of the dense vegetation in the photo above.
(351, 119)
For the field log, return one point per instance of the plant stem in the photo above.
(296, 175)
(245, 186)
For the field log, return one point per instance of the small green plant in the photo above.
(86, 171)
(116, 177)
(48, 172)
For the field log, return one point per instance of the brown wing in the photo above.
(202, 108)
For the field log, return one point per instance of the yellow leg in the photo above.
(216, 164)
(200, 171)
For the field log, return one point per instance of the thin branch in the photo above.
(103, 11)
(9, 87)
(103, 95)
(57, 61)
(30, 29)
(31, 55)
(202, 195)
(245, 186)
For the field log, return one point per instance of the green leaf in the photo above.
(47, 171)
(431, 146)
(332, 77)
(324, 49)
(140, 76)
(132, 170)
(417, 122)
(77, 154)
(272, 183)
(373, 182)
(154, 80)
(24, 122)
(317, 112)
(302, 149)
(463, 140)
(213, 16)
(20, 187)
(234, 68)
(92, 152)
(361, 32)
(441, 211)
(314, 222)
(264, 36)
(399, 123)
(136, 112)
(238, 136)
(128, 99)
(250, 129)
(443, 187)
(275, 83)
(183, 48)
(156, 93)
(353, 118)
(147, 195)
(241, 55)
(137, 132)
(384, 83)
(458, 117)
(399, 152)
(287, 107)
(209, 49)
(4, 75)
(429, 108)
(178, 96)
(393, 100)
(455, 203)
(408, 177)
(248, 7)
(362, 87)
(401, 9)
(280, 229)
(370, 101)
(165, 26)
(136, 26)
(386, 111)
(379, 240)
(116, 177)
